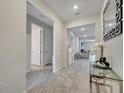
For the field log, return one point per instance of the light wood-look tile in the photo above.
(74, 79)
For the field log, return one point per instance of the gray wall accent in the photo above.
(48, 45)
(47, 41)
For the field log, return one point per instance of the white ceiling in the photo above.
(33, 11)
(64, 8)
(89, 31)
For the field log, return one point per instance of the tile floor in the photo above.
(38, 75)
(73, 79)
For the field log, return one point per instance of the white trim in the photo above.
(36, 6)
(59, 69)
(28, 71)
(24, 91)
(41, 45)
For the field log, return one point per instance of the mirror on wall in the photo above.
(112, 19)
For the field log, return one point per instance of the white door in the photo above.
(36, 46)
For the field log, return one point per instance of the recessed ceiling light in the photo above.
(75, 7)
(77, 13)
(110, 24)
(88, 40)
(84, 35)
(82, 29)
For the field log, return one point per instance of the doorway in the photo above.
(36, 45)
(39, 46)
(80, 42)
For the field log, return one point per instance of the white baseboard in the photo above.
(24, 91)
(55, 71)
(28, 71)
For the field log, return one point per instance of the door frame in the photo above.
(53, 54)
(41, 46)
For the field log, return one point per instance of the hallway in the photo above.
(73, 79)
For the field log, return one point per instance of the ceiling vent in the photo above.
(42, 16)
(78, 13)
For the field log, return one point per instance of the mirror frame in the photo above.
(117, 30)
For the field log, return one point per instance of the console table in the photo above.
(99, 75)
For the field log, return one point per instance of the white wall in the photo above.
(59, 33)
(88, 20)
(77, 44)
(114, 53)
(114, 50)
(12, 46)
(73, 42)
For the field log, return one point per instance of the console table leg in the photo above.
(121, 86)
(90, 84)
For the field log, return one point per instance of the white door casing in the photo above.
(41, 46)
